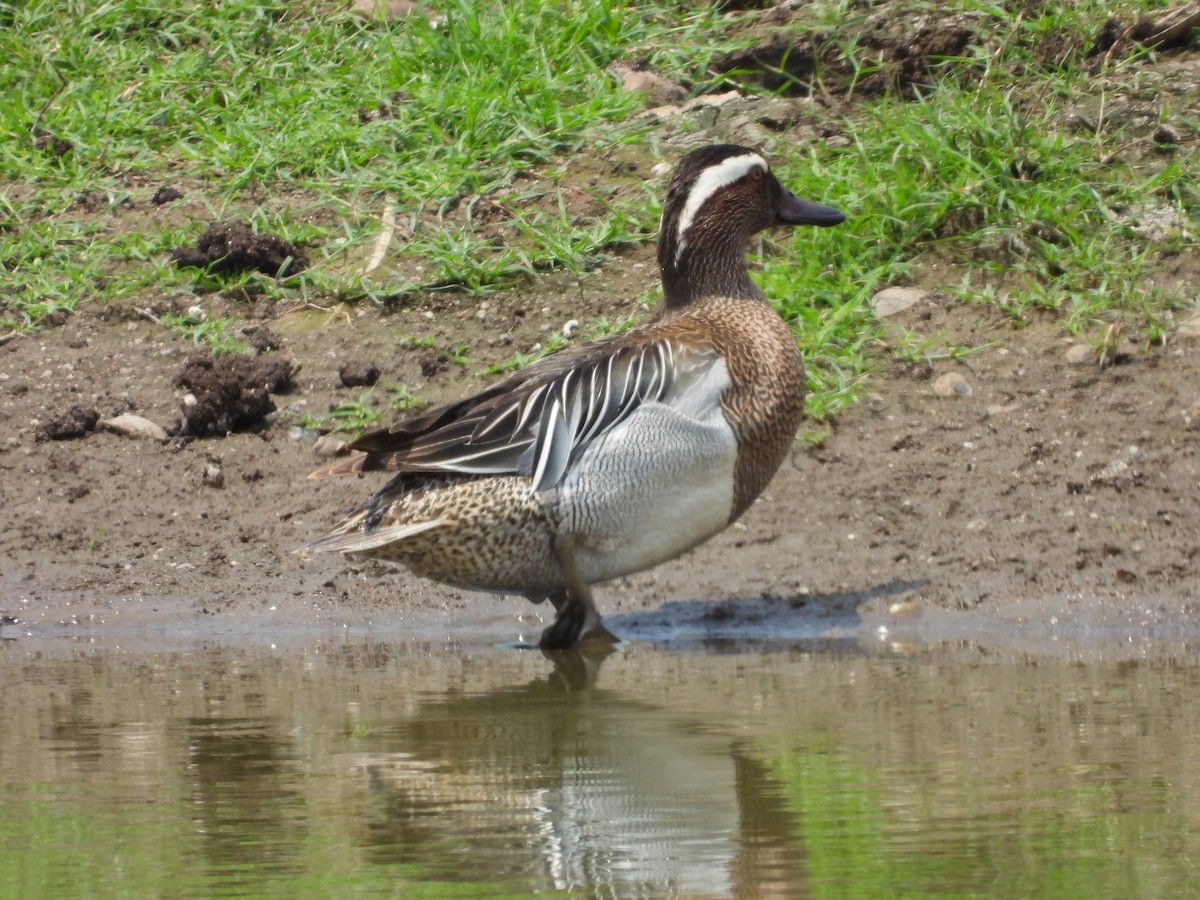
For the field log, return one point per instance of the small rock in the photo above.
(996, 410)
(1081, 355)
(329, 446)
(904, 608)
(134, 426)
(658, 90)
(952, 384)
(212, 475)
(715, 101)
(570, 327)
(892, 300)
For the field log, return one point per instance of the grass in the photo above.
(250, 99)
(215, 333)
(1014, 169)
(350, 418)
(989, 182)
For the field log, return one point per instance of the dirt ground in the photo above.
(1033, 485)
(1051, 491)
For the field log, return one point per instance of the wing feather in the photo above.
(540, 421)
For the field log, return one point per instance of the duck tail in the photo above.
(349, 537)
(355, 465)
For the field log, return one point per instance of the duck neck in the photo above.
(710, 270)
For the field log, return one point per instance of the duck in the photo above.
(615, 455)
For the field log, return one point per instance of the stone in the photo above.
(893, 300)
(952, 384)
(133, 426)
(212, 475)
(329, 445)
(657, 89)
(1081, 355)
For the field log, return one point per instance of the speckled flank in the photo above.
(494, 536)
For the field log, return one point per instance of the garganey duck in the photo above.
(615, 455)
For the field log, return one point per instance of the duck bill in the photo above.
(794, 210)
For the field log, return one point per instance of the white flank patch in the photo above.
(712, 180)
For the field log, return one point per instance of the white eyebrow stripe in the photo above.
(712, 180)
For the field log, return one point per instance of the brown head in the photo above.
(718, 198)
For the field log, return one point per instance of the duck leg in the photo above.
(577, 618)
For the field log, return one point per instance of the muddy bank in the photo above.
(1023, 484)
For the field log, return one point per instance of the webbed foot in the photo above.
(577, 623)
(577, 620)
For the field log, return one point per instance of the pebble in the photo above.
(952, 384)
(569, 329)
(904, 608)
(893, 300)
(212, 475)
(328, 445)
(1081, 355)
(134, 427)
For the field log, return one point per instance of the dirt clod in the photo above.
(233, 247)
(74, 423)
(231, 393)
(434, 363)
(358, 374)
(165, 194)
(44, 140)
(262, 339)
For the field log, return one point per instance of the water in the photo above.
(854, 767)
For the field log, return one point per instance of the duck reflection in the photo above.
(601, 792)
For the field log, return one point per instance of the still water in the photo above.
(850, 767)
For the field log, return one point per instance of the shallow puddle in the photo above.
(824, 767)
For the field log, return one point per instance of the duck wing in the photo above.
(539, 421)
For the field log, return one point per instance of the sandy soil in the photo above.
(1038, 487)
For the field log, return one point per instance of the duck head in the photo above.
(718, 197)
